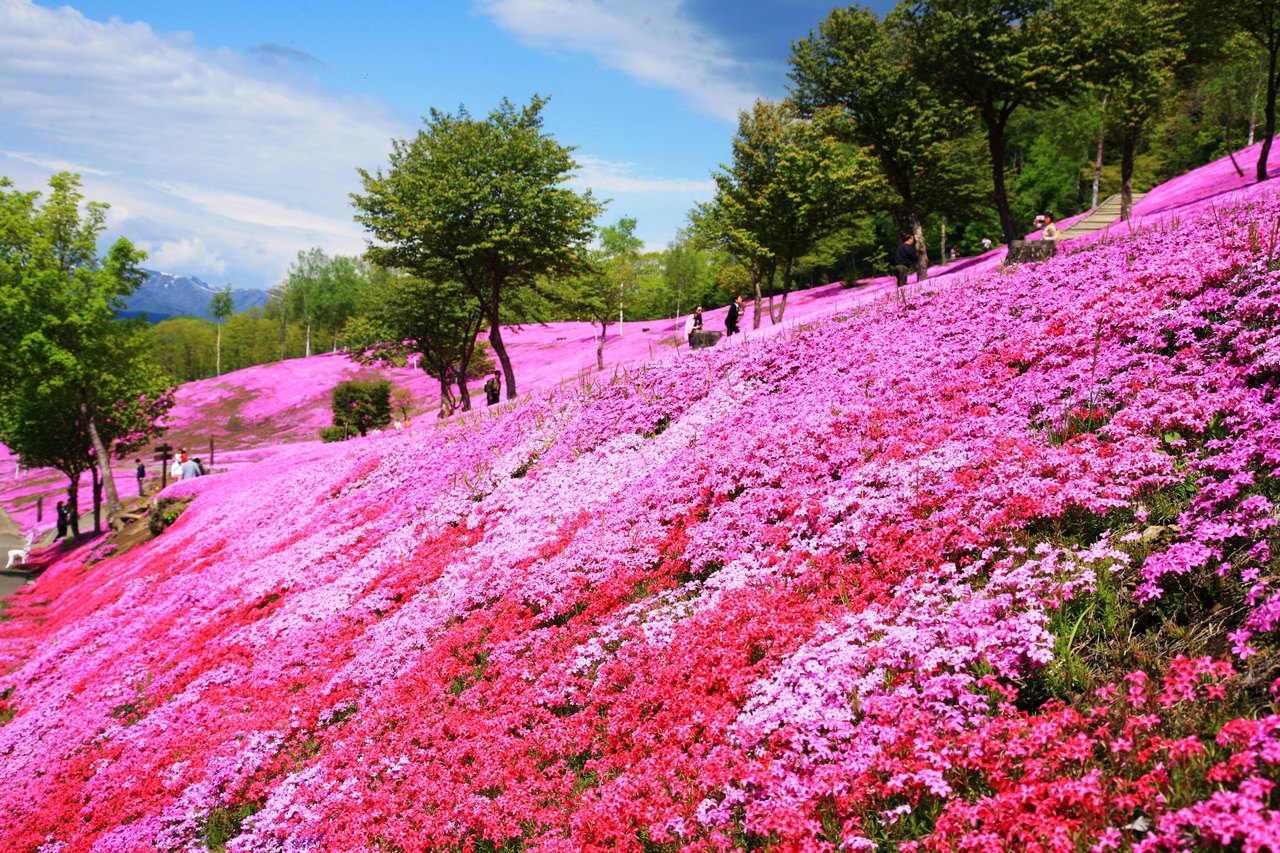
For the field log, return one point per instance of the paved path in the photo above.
(1102, 216)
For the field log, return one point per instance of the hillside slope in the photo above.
(974, 574)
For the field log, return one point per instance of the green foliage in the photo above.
(788, 181)
(222, 305)
(224, 823)
(333, 433)
(1138, 46)
(438, 319)
(324, 292)
(360, 406)
(480, 202)
(73, 382)
(992, 56)
(856, 70)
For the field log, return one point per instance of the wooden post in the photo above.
(164, 452)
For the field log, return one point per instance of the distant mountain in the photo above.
(164, 295)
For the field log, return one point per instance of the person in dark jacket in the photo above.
(731, 321)
(904, 258)
(493, 388)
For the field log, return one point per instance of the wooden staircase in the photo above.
(1107, 212)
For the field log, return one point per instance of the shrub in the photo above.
(360, 406)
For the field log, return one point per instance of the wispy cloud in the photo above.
(653, 42)
(53, 164)
(216, 131)
(604, 176)
(278, 53)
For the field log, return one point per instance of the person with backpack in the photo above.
(493, 388)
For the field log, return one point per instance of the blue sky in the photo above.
(226, 135)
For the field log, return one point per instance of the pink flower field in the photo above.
(995, 571)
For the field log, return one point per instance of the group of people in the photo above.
(694, 323)
(186, 467)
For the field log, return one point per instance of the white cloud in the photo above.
(251, 161)
(184, 257)
(650, 42)
(604, 176)
(53, 164)
(260, 211)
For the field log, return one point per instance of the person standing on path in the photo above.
(64, 519)
(141, 473)
(904, 258)
(731, 321)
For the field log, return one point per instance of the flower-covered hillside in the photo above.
(977, 574)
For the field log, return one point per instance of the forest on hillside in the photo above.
(887, 129)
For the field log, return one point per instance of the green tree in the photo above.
(182, 346)
(439, 320)
(1261, 19)
(360, 406)
(784, 189)
(599, 291)
(993, 56)
(857, 68)
(1138, 46)
(481, 202)
(323, 292)
(686, 269)
(221, 307)
(65, 359)
(620, 253)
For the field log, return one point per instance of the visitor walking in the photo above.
(904, 258)
(191, 469)
(493, 388)
(986, 244)
(141, 473)
(731, 321)
(64, 519)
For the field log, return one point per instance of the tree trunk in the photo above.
(1128, 145)
(995, 144)
(95, 481)
(103, 461)
(464, 361)
(446, 400)
(942, 237)
(1269, 106)
(759, 302)
(786, 288)
(308, 350)
(218, 358)
(1253, 110)
(922, 249)
(464, 393)
(600, 347)
(1097, 163)
(495, 338)
(73, 505)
